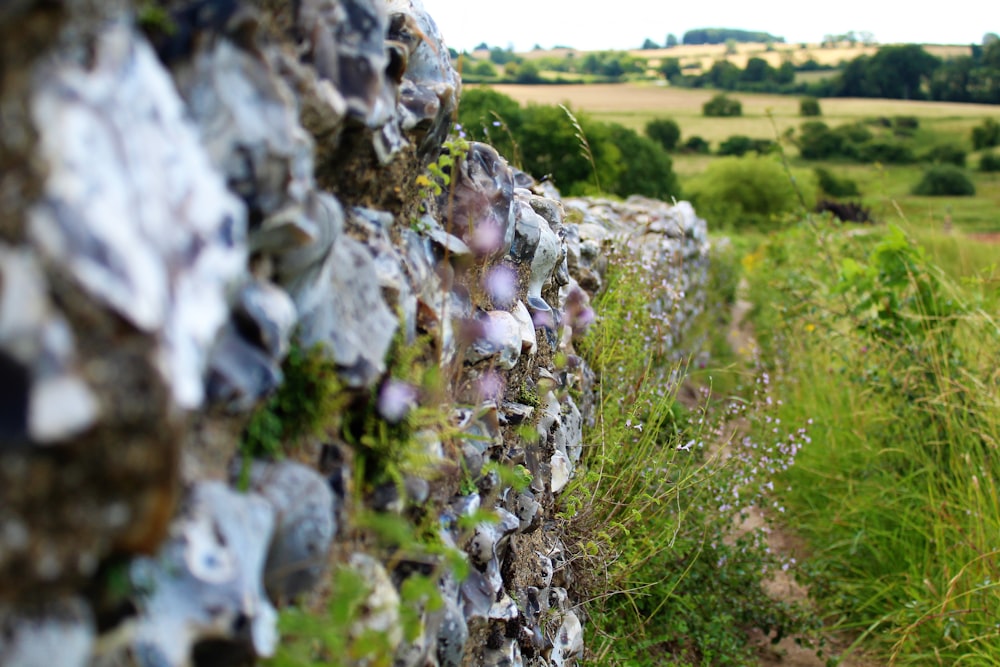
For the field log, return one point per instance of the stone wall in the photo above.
(195, 195)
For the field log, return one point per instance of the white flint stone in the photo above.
(206, 581)
(63, 635)
(529, 340)
(133, 208)
(561, 471)
(381, 606)
(504, 332)
(60, 407)
(568, 642)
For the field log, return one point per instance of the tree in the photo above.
(483, 68)
(550, 146)
(749, 191)
(649, 44)
(809, 106)
(670, 68)
(986, 134)
(524, 72)
(757, 70)
(493, 118)
(664, 131)
(722, 106)
(723, 74)
(646, 169)
(671, 41)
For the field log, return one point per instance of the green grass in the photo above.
(665, 577)
(895, 364)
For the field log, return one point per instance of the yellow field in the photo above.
(633, 104)
(704, 55)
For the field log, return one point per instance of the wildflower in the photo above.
(500, 283)
(395, 400)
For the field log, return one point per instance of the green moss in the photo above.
(308, 403)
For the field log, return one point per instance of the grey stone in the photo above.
(63, 631)
(305, 525)
(205, 583)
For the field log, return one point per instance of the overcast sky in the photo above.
(625, 24)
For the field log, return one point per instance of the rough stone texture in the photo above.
(183, 203)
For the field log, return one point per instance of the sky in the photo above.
(625, 24)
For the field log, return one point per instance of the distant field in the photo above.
(885, 189)
(633, 105)
(703, 55)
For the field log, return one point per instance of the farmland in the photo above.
(885, 188)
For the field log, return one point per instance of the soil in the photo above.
(783, 541)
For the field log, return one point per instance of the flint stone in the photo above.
(206, 581)
(63, 630)
(305, 525)
(354, 322)
(133, 209)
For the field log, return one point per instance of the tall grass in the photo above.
(896, 364)
(657, 558)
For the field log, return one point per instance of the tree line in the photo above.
(895, 72)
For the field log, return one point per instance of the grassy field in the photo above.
(885, 188)
(703, 56)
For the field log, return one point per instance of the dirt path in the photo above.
(783, 542)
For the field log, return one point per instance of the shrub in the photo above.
(945, 180)
(986, 134)
(809, 106)
(748, 191)
(695, 144)
(736, 145)
(646, 169)
(741, 145)
(722, 106)
(989, 162)
(886, 150)
(845, 211)
(946, 154)
(817, 142)
(835, 186)
(905, 125)
(664, 131)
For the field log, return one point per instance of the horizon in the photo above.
(523, 24)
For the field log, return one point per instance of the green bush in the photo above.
(809, 106)
(833, 185)
(989, 162)
(943, 180)
(741, 145)
(722, 106)
(697, 145)
(986, 134)
(817, 142)
(905, 125)
(886, 150)
(664, 131)
(646, 168)
(737, 145)
(493, 118)
(946, 154)
(749, 191)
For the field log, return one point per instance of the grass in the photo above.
(633, 104)
(894, 362)
(664, 577)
